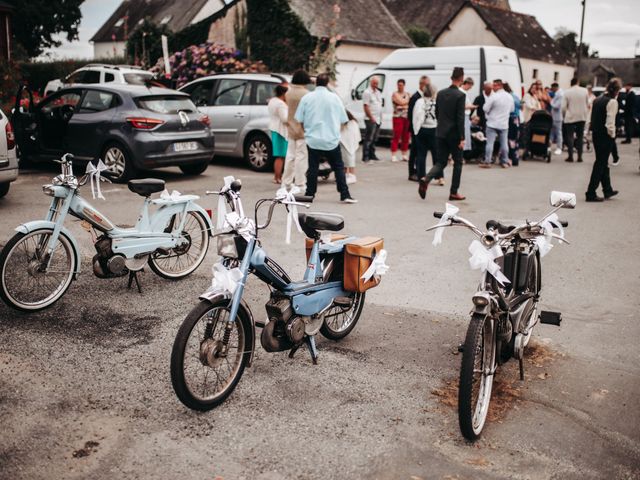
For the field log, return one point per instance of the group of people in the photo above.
(308, 127)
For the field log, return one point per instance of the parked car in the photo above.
(237, 108)
(99, 73)
(129, 127)
(8, 157)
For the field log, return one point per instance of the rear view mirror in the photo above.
(562, 199)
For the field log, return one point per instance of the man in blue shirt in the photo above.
(321, 114)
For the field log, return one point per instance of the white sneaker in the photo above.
(614, 162)
(351, 178)
(394, 159)
(349, 200)
(558, 151)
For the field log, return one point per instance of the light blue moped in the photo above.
(40, 261)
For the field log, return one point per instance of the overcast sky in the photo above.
(611, 26)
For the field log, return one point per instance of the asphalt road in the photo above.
(85, 389)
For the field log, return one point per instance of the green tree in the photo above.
(144, 45)
(36, 23)
(568, 43)
(420, 36)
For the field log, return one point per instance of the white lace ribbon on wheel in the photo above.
(94, 177)
(225, 280)
(292, 216)
(544, 241)
(482, 259)
(451, 211)
(378, 266)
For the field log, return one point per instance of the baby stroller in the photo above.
(538, 133)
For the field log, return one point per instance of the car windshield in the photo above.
(137, 78)
(166, 104)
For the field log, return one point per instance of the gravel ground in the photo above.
(85, 389)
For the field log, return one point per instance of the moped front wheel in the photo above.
(204, 371)
(186, 258)
(476, 376)
(340, 321)
(30, 279)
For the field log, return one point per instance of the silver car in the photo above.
(8, 157)
(237, 108)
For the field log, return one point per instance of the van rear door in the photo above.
(503, 63)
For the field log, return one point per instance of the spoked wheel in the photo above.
(204, 371)
(530, 317)
(476, 376)
(186, 258)
(31, 279)
(339, 321)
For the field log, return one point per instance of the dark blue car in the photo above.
(129, 127)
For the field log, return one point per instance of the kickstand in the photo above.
(521, 362)
(293, 350)
(311, 345)
(133, 276)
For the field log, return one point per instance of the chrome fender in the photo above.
(45, 224)
(213, 297)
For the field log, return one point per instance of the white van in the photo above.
(479, 62)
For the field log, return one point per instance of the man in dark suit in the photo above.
(629, 113)
(450, 104)
(412, 149)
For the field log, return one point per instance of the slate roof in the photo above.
(181, 13)
(361, 21)
(628, 69)
(515, 30)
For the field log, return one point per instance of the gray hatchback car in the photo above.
(237, 109)
(129, 127)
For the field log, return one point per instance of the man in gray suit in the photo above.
(450, 104)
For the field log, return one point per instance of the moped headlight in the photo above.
(480, 299)
(227, 246)
(49, 190)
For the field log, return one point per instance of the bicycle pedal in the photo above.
(344, 302)
(550, 318)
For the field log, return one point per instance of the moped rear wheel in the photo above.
(476, 376)
(340, 321)
(184, 259)
(27, 282)
(202, 373)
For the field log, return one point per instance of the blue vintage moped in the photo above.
(39, 262)
(216, 341)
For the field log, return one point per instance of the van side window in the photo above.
(359, 90)
(535, 73)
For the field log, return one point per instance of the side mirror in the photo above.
(562, 199)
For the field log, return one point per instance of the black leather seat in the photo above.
(146, 186)
(311, 223)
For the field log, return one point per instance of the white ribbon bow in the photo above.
(482, 258)
(243, 225)
(450, 211)
(173, 196)
(378, 266)
(94, 177)
(292, 216)
(544, 241)
(222, 204)
(225, 280)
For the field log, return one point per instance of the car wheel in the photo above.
(118, 163)
(195, 169)
(257, 152)
(4, 189)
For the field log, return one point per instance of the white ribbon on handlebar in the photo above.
(292, 217)
(225, 280)
(222, 204)
(482, 258)
(450, 212)
(94, 177)
(378, 266)
(544, 241)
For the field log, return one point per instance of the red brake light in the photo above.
(206, 120)
(11, 138)
(522, 91)
(144, 123)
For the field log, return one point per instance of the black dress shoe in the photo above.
(594, 198)
(413, 178)
(422, 188)
(610, 194)
(570, 160)
(580, 160)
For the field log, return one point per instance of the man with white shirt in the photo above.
(372, 101)
(497, 109)
(575, 110)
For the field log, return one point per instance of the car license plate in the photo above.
(184, 146)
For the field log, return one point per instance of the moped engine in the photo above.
(106, 264)
(284, 330)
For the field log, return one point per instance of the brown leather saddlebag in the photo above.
(308, 242)
(358, 256)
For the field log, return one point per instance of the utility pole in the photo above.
(584, 7)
